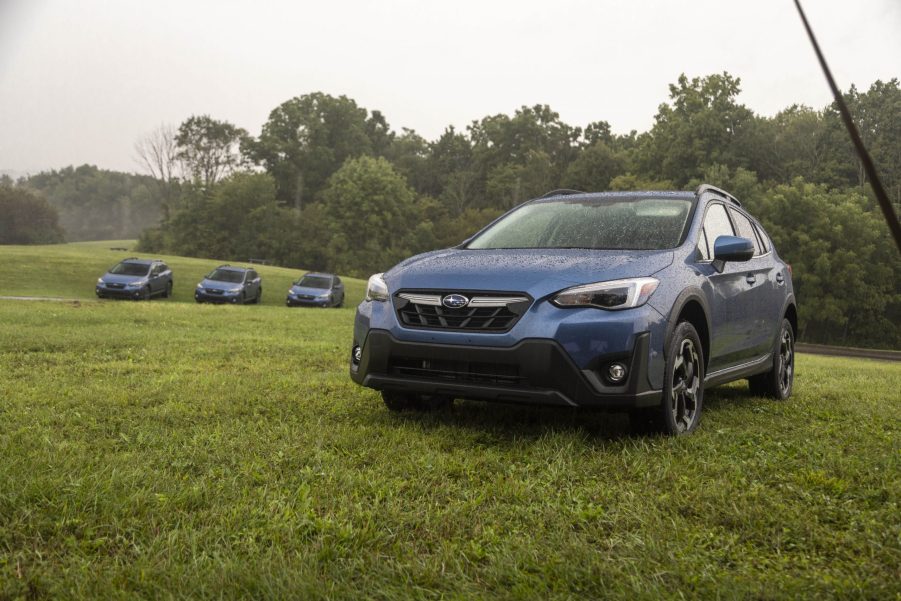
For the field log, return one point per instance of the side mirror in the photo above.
(732, 248)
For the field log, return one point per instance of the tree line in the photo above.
(327, 184)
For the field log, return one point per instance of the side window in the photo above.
(157, 269)
(252, 275)
(163, 267)
(337, 281)
(716, 223)
(746, 230)
(764, 242)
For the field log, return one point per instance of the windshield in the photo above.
(130, 269)
(227, 275)
(314, 281)
(605, 223)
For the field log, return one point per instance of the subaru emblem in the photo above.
(454, 301)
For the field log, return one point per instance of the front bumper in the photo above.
(535, 370)
(130, 293)
(202, 296)
(295, 301)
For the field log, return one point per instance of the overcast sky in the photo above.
(81, 80)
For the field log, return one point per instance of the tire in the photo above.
(683, 389)
(146, 294)
(779, 381)
(404, 401)
(168, 292)
(259, 297)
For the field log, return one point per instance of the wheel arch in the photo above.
(691, 306)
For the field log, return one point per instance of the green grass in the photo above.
(71, 271)
(169, 449)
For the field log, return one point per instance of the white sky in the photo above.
(81, 80)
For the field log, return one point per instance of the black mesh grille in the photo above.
(485, 319)
(456, 371)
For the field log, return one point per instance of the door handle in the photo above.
(780, 279)
(751, 278)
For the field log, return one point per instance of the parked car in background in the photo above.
(228, 284)
(631, 301)
(316, 290)
(137, 279)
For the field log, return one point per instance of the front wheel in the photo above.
(145, 294)
(259, 297)
(168, 291)
(683, 391)
(778, 382)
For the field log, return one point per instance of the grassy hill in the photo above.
(175, 450)
(71, 270)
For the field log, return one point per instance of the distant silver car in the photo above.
(227, 284)
(316, 290)
(136, 279)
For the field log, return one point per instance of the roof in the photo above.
(319, 273)
(572, 195)
(234, 268)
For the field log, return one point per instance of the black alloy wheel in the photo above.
(779, 381)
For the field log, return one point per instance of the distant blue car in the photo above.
(227, 284)
(316, 290)
(625, 301)
(136, 279)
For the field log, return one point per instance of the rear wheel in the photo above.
(778, 382)
(405, 401)
(683, 391)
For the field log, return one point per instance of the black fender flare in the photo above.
(692, 293)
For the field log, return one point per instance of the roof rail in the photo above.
(561, 192)
(718, 191)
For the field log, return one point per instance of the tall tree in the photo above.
(157, 152)
(208, 148)
(309, 137)
(703, 124)
(27, 218)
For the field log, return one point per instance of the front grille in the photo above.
(213, 291)
(484, 311)
(116, 286)
(456, 371)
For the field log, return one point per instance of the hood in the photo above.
(539, 272)
(112, 278)
(309, 291)
(219, 285)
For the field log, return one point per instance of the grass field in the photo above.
(71, 271)
(168, 449)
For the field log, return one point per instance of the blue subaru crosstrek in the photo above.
(632, 301)
(137, 279)
(227, 284)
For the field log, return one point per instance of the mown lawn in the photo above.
(167, 449)
(71, 271)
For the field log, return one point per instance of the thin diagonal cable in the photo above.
(888, 211)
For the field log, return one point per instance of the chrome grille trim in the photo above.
(496, 301)
(422, 299)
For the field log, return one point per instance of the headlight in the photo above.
(290, 290)
(376, 288)
(234, 290)
(323, 295)
(100, 281)
(199, 286)
(615, 294)
(137, 284)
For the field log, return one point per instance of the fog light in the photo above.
(357, 354)
(616, 372)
